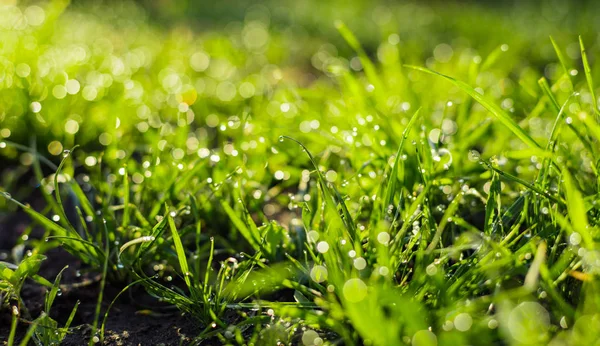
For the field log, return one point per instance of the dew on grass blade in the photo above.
(431, 269)
(354, 290)
(384, 271)
(35, 107)
(360, 263)
(474, 155)
(424, 338)
(383, 238)
(323, 247)
(319, 273)
(309, 337)
(575, 239)
(463, 322)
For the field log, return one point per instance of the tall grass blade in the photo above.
(588, 77)
(489, 105)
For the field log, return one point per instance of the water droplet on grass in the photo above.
(355, 290)
(463, 322)
(319, 273)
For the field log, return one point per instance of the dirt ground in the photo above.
(129, 321)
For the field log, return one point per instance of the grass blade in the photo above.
(179, 249)
(576, 208)
(390, 190)
(588, 76)
(489, 105)
(563, 62)
(353, 42)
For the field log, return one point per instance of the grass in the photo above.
(386, 194)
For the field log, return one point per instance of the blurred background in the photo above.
(121, 76)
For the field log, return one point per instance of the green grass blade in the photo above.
(13, 328)
(563, 62)
(548, 91)
(522, 182)
(102, 285)
(489, 105)
(63, 215)
(329, 196)
(180, 250)
(102, 327)
(390, 189)
(576, 208)
(452, 208)
(251, 237)
(125, 221)
(492, 206)
(135, 241)
(353, 42)
(588, 76)
(30, 331)
(54, 290)
(71, 316)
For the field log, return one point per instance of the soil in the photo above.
(128, 323)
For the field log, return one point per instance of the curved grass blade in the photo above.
(563, 62)
(135, 241)
(157, 230)
(490, 106)
(331, 199)
(113, 302)
(522, 182)
(391, 187)
(99, 251)
(54, 290)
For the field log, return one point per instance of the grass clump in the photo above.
(377, 195)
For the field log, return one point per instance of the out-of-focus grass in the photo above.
(429, 175)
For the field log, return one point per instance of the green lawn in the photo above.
(312, 173)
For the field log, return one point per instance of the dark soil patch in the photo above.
(129, 322)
